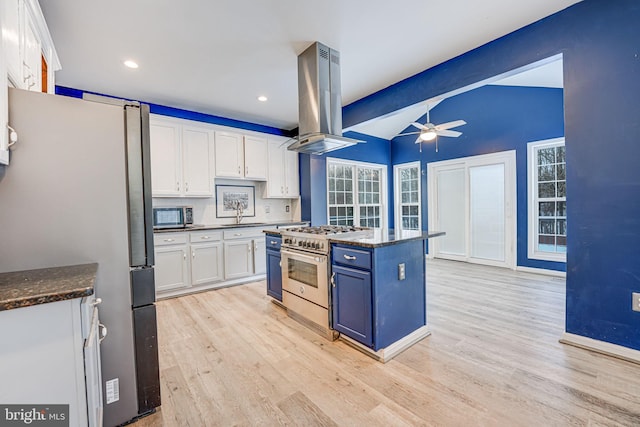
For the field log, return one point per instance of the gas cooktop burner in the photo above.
(328, 229)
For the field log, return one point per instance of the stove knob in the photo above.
(316, 245)
(300, 243)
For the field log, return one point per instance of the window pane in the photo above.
(547, 190)
(562, 189)
(546, 156)
(560, 156)
(414, 173)
(546, 173)
(562, 227)
(405, 198)
(349, 199)
(547, 226)
(561, 209)
(332, 198)
(561, 172)
(340, 198)
(547, 209)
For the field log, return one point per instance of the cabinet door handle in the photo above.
(168, 240)
(193, 254)
(184, 255)
(349, 257)
(282, 189)
(333, 281)
(186, 186)
(287, 189)
(239, 170)
(96, 301)
(178, 186)
(280, 263)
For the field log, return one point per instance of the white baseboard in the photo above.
(207, 287)
(602, 347)
(541, 271)
(385, 354)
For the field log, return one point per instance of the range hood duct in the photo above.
(319, 102)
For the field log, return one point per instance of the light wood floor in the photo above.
(231, 357)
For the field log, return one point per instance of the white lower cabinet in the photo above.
(206, 258)
(172, 261)
(244, 253)
(238, 259)
(50, 355)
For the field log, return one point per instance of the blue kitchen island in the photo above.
(378, 290)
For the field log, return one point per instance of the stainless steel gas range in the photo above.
(305, 273)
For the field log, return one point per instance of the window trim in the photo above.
(383, 188)
(397, 205)
(532, 211)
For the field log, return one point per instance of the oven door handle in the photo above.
(316, 259)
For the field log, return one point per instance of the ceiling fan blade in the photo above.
(408, 133)
(450, 125)
(451, 133)
(418, 125)
(418, 140)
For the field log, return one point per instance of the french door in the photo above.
(473, 200)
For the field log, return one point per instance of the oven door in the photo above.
(306, 275)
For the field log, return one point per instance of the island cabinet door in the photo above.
(274, 275)
(351, 293)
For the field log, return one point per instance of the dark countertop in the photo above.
(32, 287)
(275, 226)
(380, 238)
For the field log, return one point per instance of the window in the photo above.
(548, 200)
(355, 193)
(407, 195)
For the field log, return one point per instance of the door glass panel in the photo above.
(486, 211)
(303, 272)
(451, 211)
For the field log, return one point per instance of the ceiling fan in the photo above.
(429, 131)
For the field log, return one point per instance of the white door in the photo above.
(276, 181)
(171, 269)
(473, 200)
(292, 178)
(238, 258)
(259, 256)
(196, 146)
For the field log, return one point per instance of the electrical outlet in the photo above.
(267, 208)
(636, 301)
(401, 273)
(286, 208)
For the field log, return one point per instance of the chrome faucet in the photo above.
(239, 211)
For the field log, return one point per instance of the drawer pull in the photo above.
(169, 240)
(273, 242)
(205, 237)
(349, 257)
(238, 234)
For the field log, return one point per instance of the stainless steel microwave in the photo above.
(172, 217)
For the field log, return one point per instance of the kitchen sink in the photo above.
(243, 223)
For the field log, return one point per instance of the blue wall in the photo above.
(313, 174)
(601, 61)
(499, 118)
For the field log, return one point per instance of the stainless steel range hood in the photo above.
(319, 102)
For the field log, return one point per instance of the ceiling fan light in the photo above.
(428, 135)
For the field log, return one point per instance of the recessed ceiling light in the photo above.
(131, 64)
(262, 98)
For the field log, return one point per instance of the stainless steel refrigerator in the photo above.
(78, 190)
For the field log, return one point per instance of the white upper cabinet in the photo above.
(240, 156)
(165, 159)
(282, 181)
(12, 35)
(255, 153)
(181, 160)
(197, 150)
(229, 155)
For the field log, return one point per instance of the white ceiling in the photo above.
(217, 57)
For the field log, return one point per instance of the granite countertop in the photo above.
(32, 287)
(380, 238)
(231, 226)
